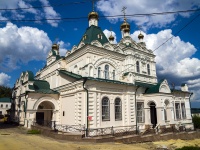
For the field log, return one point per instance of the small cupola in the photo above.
(125, 26)
(93, 17)
(141, 37)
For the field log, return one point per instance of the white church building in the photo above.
(100, 84)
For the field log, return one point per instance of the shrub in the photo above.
(33, 131)
(189, 148)
(196, 121)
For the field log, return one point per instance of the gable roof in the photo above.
(155, 88)
(92, 33)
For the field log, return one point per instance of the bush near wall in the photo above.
(196, 121)
(189, 148)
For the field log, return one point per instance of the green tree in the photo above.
(5, 91)
(196, 121)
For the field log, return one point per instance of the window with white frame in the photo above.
(6, 105)
(105, 109)
(140, 112)
(118, 109)
(106, 72)
(1, 105)
(183, 110)
(178, 111)
(99, 72)
(165, 114)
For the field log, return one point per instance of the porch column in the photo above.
(160, 116)
(147, 116)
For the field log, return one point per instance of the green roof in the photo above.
(5, 100)
(73, 75)
(30, 76)
(144, 84)
(92, 33)
(40, 86)
(155, 88)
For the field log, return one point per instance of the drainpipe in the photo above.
(87, 100)
(190, 104)
(136, 109)
(25, 105)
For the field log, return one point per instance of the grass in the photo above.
(189, 148)
(33, 131)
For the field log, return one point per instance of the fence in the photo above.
(113, 131)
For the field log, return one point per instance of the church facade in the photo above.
(100, 84)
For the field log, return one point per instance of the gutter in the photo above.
(87, 100)
(136, 109)
(190, 104)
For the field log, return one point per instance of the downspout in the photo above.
(25, 105)
(136, 109)
(87, 101)
(190, 105)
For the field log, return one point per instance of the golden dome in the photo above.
(140, 36)
(125, 25)
(111, 38)
(55, 46)
(93, 15)
(126, 29)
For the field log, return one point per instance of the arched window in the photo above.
(113, 74)
(99, 72)
(148, 69)
(105, 109)
(138, 66)
(118, 109)
(106, 72)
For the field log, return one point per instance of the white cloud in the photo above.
(50, 13)
(4, 79)
(114, 7)
(174, 59)
(108, 33)
(21, 45)
(62, 47)
(47, 12)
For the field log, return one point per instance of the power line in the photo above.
(113, 16)
(39, 7)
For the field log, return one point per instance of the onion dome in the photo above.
(111, 38)
(93, 15)
(125, 25)
(55, 46)
(126, 29)
(140, 36)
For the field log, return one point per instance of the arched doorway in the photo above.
(153, 114)
(44, 113)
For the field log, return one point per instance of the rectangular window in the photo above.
(105, 109)
(1, 105)
(140, 112)
(183, 110)
(178, 111)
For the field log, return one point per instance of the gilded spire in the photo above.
(111, 37)
(93, 14)
(140, 36)
(125, 26)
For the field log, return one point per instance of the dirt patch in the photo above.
(16, 138)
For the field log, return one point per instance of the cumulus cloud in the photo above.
(62, 47)
(174, 59)
(4, 79)
(46, 12)
(114, 7)
(21, 45)
(108, 33)
(50, 13)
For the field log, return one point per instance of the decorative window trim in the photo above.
(105, 104)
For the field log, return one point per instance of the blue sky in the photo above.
(24, 45)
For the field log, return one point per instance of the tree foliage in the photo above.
(196, 121)
(5, 91)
